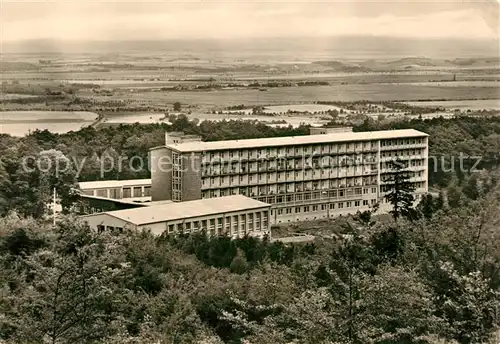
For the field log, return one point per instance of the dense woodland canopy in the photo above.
(435, 279)
(432, 277)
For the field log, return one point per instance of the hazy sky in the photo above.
(121, 20)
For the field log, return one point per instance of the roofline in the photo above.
(175, 148)
(188, 217)
(96, 184)
(119, 218)
(158, 147)
(99, 198)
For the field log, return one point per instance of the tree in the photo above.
(427, 206)
(239, 264)
(71, 289)
(397, 308)
(400, 194)
(177, 106)
(454, 197)
(469, 304)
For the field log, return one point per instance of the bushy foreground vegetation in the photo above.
(432, 280)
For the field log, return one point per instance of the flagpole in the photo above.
(54, 207)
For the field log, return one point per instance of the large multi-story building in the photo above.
(303, 178)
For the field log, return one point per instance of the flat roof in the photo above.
(113, 200)
(113, 183)
(180, 210)
(295, 140)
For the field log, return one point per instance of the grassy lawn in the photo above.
(322, 227)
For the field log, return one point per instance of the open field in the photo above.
(19, 123)
(311, 108)
(290, 95)
(8, 96)
(142, 85)
(293, 120)
(144, 118)
(34, 116)
(472, 83)
(488, 104)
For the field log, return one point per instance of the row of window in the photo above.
(301, 186)
(323, 207)
(299, 162)
(404, 164)
(402, 153)
(332, 180)
(312, 148)
(301, 149)
(408, 174)
(315, 169)
(119, 193)
(402, 142)
(101, 228)
(416, 185)
(293, 197)
(176, 177)
(229, 224)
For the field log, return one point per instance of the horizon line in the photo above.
(451, 38)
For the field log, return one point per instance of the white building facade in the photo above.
(303, 178)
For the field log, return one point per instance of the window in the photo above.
(147, 191)
(356, 203)
(341, 205)
(243, 223)
(297, 210)
(102, 193)
(315, 208)
(365, 202)
(348, 204)
(170, 228)
(332, 206)
(114, 193)
(138, 191)
(235, 223)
